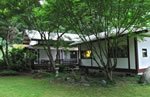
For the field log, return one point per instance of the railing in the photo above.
(68, 61)
(43, 64)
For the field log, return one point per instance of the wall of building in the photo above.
(121, 62)
(144, 62)
(43, 55)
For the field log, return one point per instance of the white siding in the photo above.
(121, 62)
(144, 62)
(86, 62)
(132, 53)
(43, 54)
(65, 55)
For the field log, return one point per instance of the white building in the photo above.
(134, 57)
(67, 54)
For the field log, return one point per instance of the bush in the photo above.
(61, 67)
(8, 73)
(20, 59)
(2, 65)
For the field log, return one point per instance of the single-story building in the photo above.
(134, 53)
(67, 55)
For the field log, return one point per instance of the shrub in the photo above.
(2, 65)
(20, 59)
(8, 73)
(61, 67)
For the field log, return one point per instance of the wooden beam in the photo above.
(128, 44)
(136, 55)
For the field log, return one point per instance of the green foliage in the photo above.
(8, 73)
(103, 19)
(62, 67)
(2, 64)
(21, 59)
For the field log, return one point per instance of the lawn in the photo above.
(26, 86)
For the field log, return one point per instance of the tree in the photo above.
(107, 20)
(7, 32)
(10, 28)
(46, 20)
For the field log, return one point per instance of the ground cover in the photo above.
(27, 86)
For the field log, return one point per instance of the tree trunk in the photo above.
(109, 69)
(4, 57)
(7, 51)
(109, 75)
(52, 63)
(57, 54)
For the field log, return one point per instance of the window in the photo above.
(86, 54)
(122, 52)
(144, 52)
(73, 54)
(121, 49)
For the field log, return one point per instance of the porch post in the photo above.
(79, 54)
(136, 55)
(128, 46)
(91, 55)
(38, 51)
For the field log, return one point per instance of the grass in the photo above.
(27, 86)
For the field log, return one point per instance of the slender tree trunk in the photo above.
(4, 57)
(57, 53)
(109, 75)
(57, 56)
(52, 63)
(47, 48)
(7, 50)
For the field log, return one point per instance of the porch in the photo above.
(43, 64)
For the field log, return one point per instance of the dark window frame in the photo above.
(144, 52)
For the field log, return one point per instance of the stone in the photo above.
(70, 80)
(57, 72)
(86, 84)
(83, 79)
(103, 82)
(145, 78)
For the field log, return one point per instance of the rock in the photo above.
(83, 79)
(58, 79)
(103, 82)
(145, 78)
(70, 80)
(86, 84)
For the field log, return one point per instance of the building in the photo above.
(134, 54)
(67, 55)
